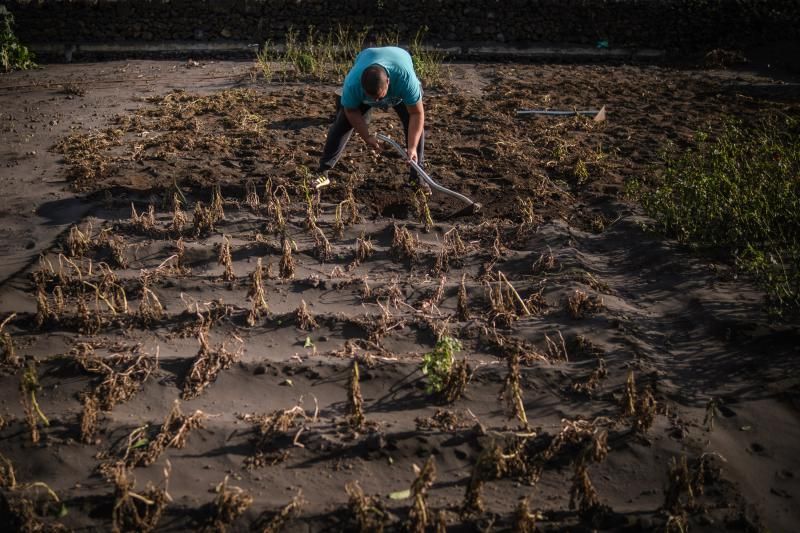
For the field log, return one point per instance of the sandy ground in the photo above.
(676, 335)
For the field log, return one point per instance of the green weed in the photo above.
(738, 192)
(13, 55)
(437, 364)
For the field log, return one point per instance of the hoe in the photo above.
(471, 208)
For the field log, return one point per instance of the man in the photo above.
(382, 78)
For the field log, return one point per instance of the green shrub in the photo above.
(13, 55)
(738, 192)
(436, 365)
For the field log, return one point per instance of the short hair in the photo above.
(374, 79)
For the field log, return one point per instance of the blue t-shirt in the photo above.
(404, 87)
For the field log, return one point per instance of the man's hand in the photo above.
(373, 142)
(412, 154)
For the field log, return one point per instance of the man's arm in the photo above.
(416, 123)
(356, 119)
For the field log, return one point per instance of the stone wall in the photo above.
(675, 25)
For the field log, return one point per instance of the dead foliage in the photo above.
(28, 387)
(217, 208)
(303, 318)
(404, 245)
(686, 482)
(582, 494)
(179, 219)
(83, 154)
(589, 385)
(580, 304)
(257, 295)
(546, 262)
(286, 267)
(79, 242)
(511, 392)
(144, 222)
(285, 514)
(203, 220)
(451, 252)
(363, 251)
(646, 407)
(423, 210)
(346, 214)
(322, 247)
(8, 478)
(251, 198)
(456, 381)
(462, 306)
(116, 247)
(277, 206)
(208, 364)
(419, 517)
(524, 519)
(8, 352)
(270, 430)
(225, 259)
(230, 503)
(150, 309)
(556, 349)
(506, 304)
(366, 512)
(32, 507)
(89, 418)
(133, 511)
(490, 465)
(444, 420)
(355, 403)
(121, 375)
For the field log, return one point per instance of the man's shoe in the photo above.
(322, 180)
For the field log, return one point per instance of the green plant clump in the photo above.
(436, 365)
(738, 193)
(13, 55)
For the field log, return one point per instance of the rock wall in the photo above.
(665, 24)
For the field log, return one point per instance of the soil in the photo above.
(628, 351)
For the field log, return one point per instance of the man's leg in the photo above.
(402, 112)
(338, 136)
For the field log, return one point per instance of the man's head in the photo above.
(375, 81)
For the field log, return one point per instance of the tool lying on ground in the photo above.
(472, 207)
(599, 115)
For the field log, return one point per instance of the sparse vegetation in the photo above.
(13, 54)
(736, 190)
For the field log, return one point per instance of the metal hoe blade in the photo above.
(472, 206)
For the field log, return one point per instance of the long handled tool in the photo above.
(472, 207)
(599, 115)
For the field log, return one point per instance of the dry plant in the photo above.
(419, 517)
(231, 502)
(444, 420)
(545, 263)
(630, 398)
(79, 242)
(582, 494)
(679, 479)
(580, 304)
(257, 294)
(150, 309)
(363, 250)
(287, 512)
(490, 465)
(287, 261)
(366, 511)
(645, 411)
(225, 259)
(8, 353)
(123, 375)
(304, 319)
(422, 209)
(89, 418)
(556, 349)
(462, 306)
(524, 519)
(134, 512)
(208, 364)
(203, 220)
(117, 248)
(431, 303)
(322, 247)
(453, 250)
(355, 403)
(511, 392)
(346, 214)
(404, 245)
(8, 478)
(180, 267)
(269, 429)
(251, 198)
(179, 219)
(173, 434)
(144, 222)
(456, 381)
(277, 206)
(217, 204)
(506, 305)
(589, 385)
(28, 386)
(312, 199)
(712, 409)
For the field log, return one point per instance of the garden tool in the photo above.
(471, 208)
